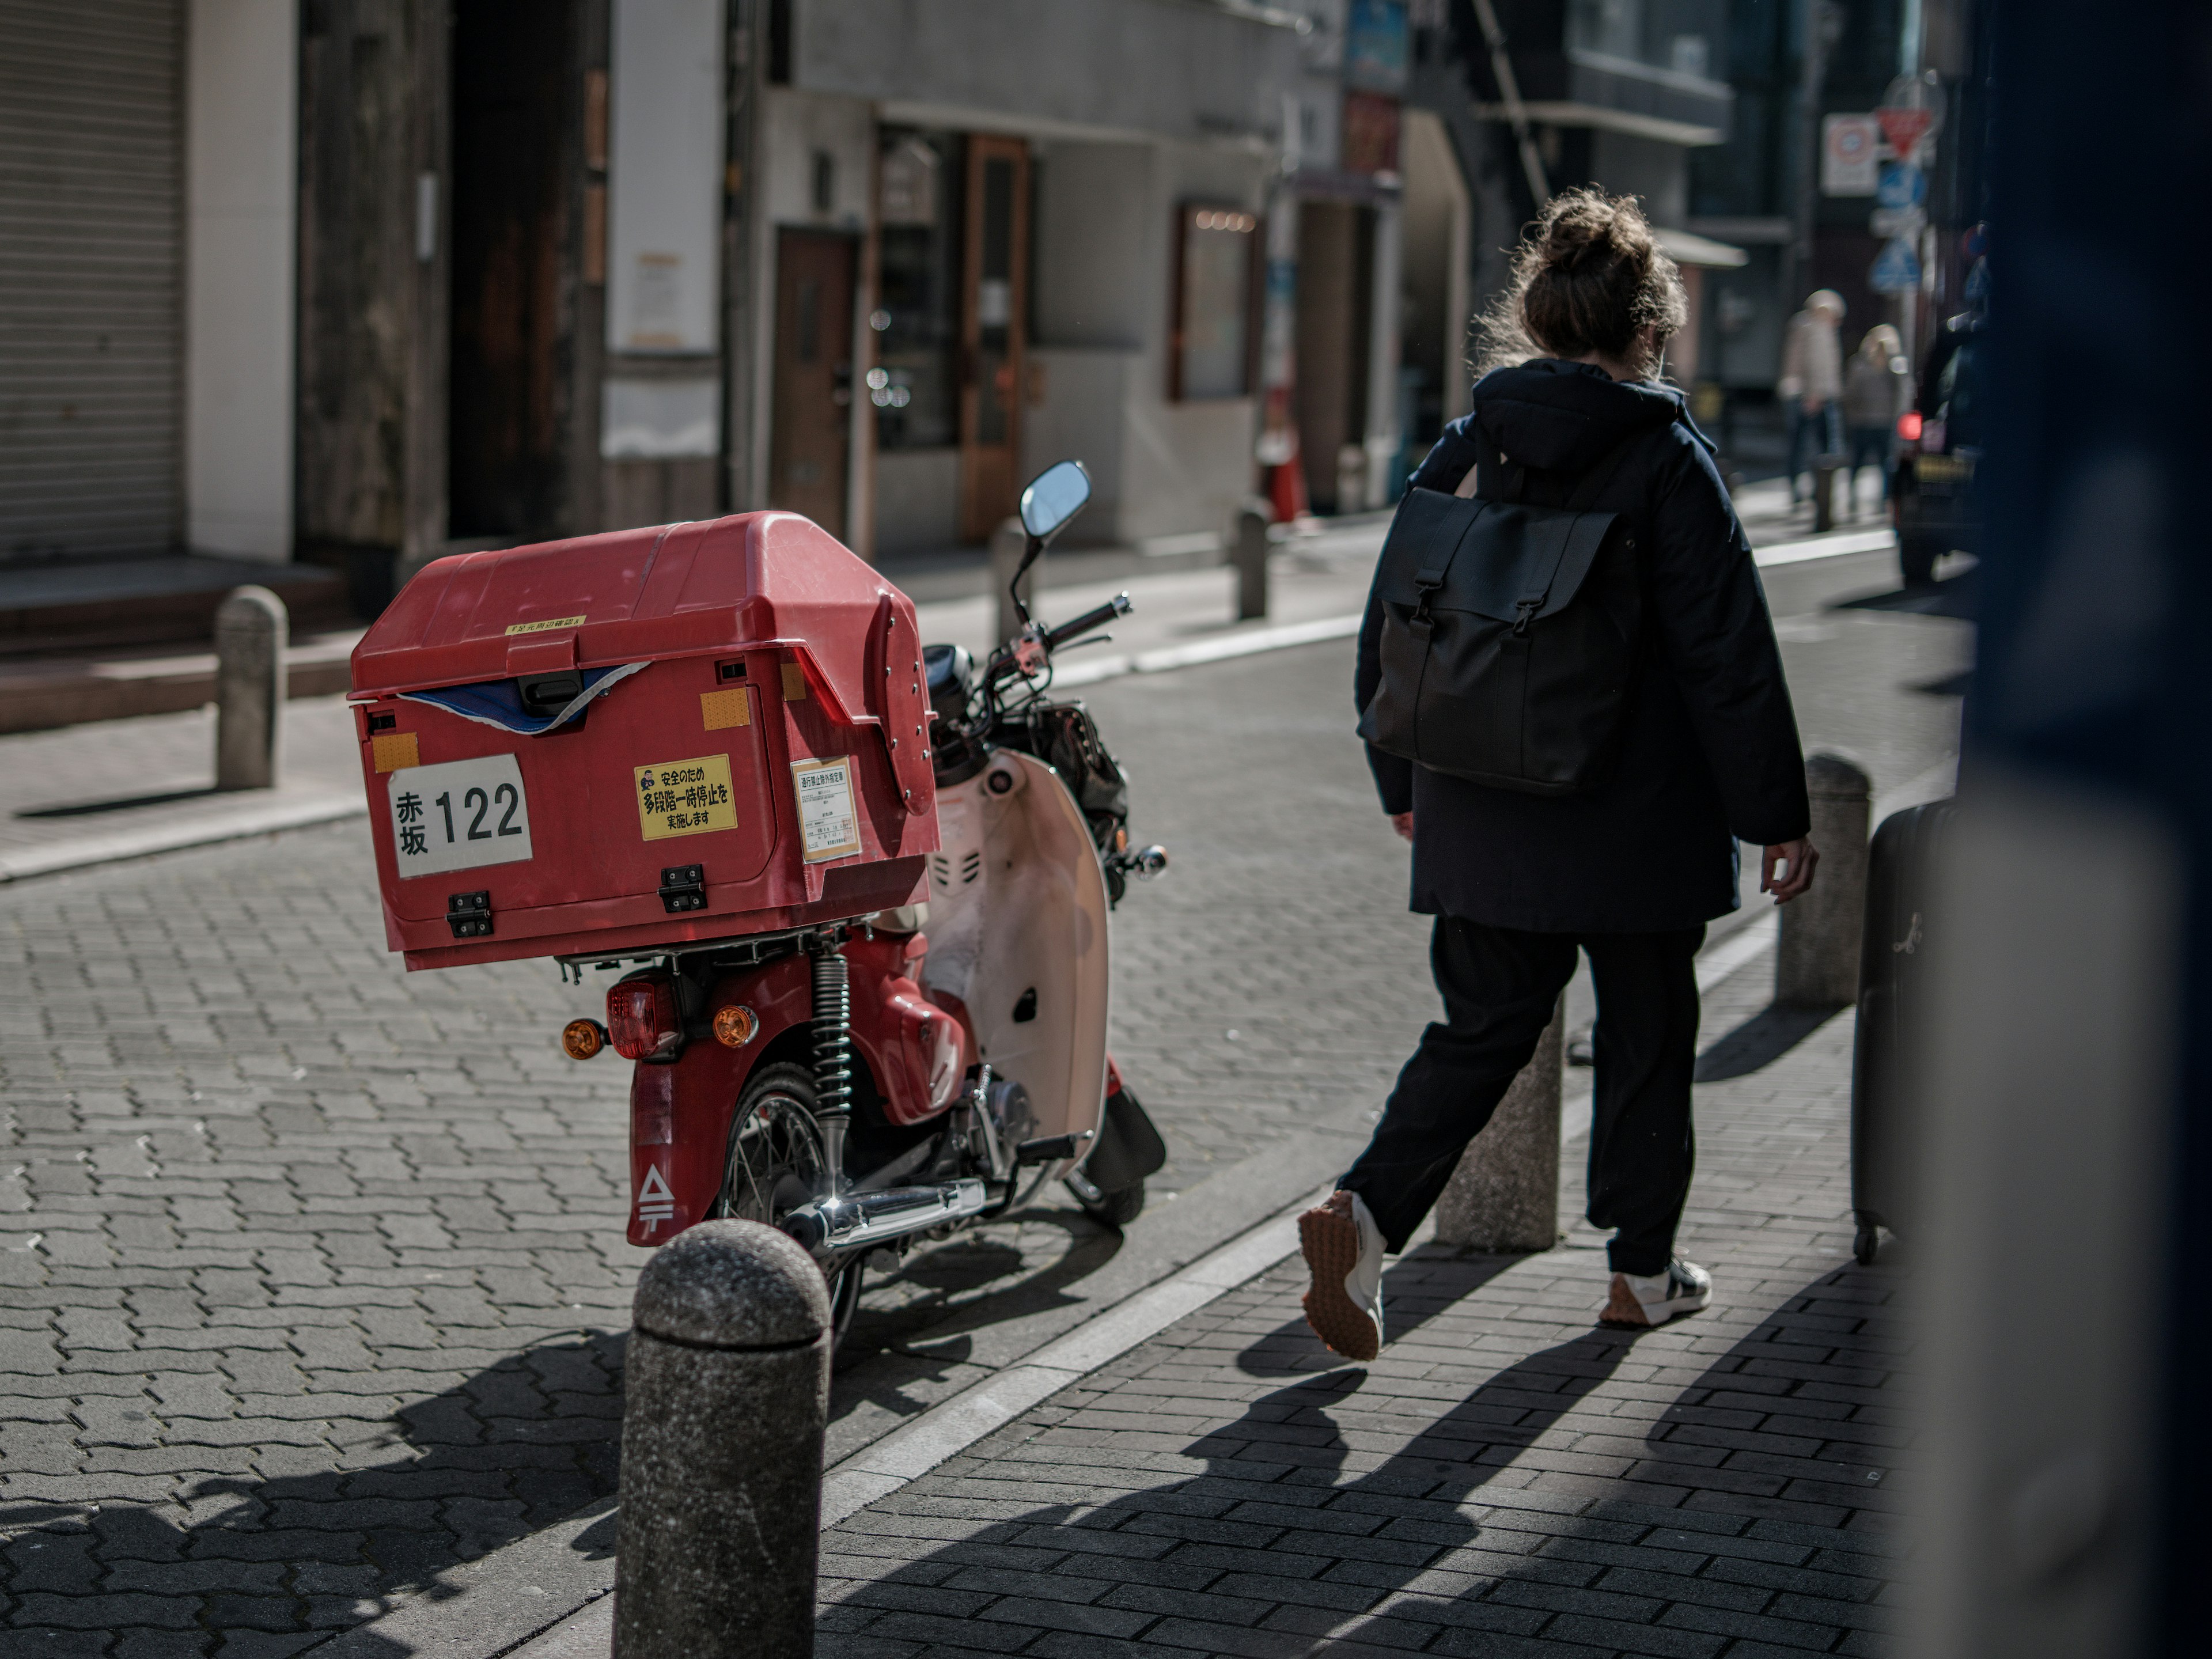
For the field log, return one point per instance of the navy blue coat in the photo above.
(1710, 751)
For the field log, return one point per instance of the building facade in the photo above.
(361, 282)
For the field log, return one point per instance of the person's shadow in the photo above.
(1272, 1551)
(1270, 1522)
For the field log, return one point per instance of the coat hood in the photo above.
(1559, 416)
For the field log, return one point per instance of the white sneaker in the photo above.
(1343, 1247)
(1642, 1300)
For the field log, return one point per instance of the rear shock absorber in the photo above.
(833, 1052)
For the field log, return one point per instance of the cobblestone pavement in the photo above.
(311, 1276)
(1505, 1479)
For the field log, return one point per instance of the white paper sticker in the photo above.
(458, 816)
(828, 827)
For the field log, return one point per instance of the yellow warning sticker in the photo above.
(395, 751)
(721, 709)
(828, 827)
(545, 627)
(685, 797)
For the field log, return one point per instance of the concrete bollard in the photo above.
(1251, 554)
(1505, 1195)
(1007, 542)
(251, 628)
(726, 1393)
(1352, 479)
(1824, 468)
(1816, 964)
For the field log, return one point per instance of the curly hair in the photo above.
(1590, 276)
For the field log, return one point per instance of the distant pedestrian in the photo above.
(1877, 389)
(1813, 380)
(1628, 871)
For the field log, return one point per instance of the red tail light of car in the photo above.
(641, 1018)
(1908, 426)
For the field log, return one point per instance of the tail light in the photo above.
(641, 1020)
(1908, 426)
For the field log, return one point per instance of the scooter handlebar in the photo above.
(1119, 605)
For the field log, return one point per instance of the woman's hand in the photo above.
(1403, 824)
(1799, 858)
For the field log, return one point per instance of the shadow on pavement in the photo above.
(519, 1446)
(1761, 1041)
(1955, 597)
(1272, 1511)
(1415, 1287)
(86, 809)
(944, 1293)
(1740, 1509)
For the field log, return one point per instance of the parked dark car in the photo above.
(1933, 498)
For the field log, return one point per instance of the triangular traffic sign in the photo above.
(1904, 127)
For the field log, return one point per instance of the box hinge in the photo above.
(469, 915)
(683, 887)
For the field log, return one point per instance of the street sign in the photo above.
(1901, 185)
(1897, 222)
(1849, 145)
(1911, 110)
(1905, 128)
(1896, 269)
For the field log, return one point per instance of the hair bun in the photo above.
(1590, 278)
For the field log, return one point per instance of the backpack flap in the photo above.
(1502, 560)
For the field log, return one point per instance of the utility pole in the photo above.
(1823, 27)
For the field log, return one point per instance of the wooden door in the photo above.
(993, 324)
(810, 449)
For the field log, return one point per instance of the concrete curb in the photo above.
(493, 1605)
(255, 817)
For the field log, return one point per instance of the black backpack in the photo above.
(1509, 632)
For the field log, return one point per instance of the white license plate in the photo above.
(458, 816)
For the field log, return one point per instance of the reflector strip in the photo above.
(395, 751)
(725, 708)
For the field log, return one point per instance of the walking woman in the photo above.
(1877, 389)
(1629, 871)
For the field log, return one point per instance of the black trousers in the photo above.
(1499, 988)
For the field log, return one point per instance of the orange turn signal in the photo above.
(735, 1026)
(582, 1038)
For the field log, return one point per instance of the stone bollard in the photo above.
(1007, 542)
(1817, 963)
(725, 1393)
(249, 630)
(1250, 554)
(1352, 479)
(1824, 468)
(1504, 1196)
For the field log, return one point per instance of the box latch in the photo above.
(469, 915)
(682, 887)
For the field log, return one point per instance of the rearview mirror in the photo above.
(1055, 495)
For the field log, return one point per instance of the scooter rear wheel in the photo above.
(777, 1163)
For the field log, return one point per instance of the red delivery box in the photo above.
(626, 742)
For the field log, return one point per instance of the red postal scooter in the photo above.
(865, 1083)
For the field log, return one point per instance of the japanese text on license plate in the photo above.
(458, 815)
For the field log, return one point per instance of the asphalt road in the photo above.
(311, 1279)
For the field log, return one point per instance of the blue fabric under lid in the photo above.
(498, 703)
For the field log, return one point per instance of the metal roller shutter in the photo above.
(91, 319)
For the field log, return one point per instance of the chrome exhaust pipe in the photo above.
(861, 1221)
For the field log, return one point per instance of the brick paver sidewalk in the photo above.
(1506, 1480)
